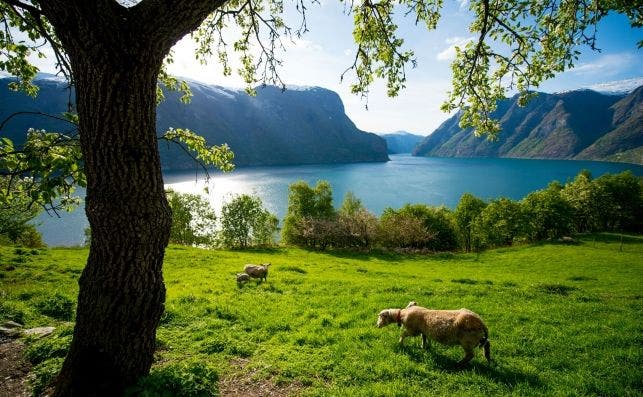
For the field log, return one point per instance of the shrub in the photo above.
(244, 222)
(547, 213)
(468, 208)
(186, 380)
(418, 226)
(499, 224)
(57, 306)
(193, 220)
(309, 208)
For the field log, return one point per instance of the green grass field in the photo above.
(563, 319)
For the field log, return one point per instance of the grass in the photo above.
(563, 319)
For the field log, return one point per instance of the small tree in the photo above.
(623, 201)
(438, 221)
(498, 224)
(306, 205)
(548, 214)
(469, 207)
(244, 222)
(357, 226)
(193, 220)
(17, 210)
(398, 230)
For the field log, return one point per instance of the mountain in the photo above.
(581, 124)
(401, 141)
(302, 125)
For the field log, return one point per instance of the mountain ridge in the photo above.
(582, 124)
(303, 125)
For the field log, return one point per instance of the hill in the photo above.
(401, 141)
(581, 124)
(296, 126)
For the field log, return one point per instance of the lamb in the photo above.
(242, 278)
(257, 271)
(449, 327)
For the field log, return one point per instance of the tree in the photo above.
(588, 200)
(468, 208)
(244, 222)
(16, 215)
(548, 214)
(113, 53)
(193, 220)
(357, 226)
(624, 207)
(498, 224)
(307, 207)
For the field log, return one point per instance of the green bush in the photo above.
(244, 223)
(193, 220)
(178, 380)
(57, 306)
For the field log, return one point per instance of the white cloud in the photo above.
(606, 65)
(449, 53)
(464, 4)
(617, 86)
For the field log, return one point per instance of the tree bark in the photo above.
(115, 55)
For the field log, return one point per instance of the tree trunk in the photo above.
(115, 54)
(121, 288)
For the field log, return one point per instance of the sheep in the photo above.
(242, 278)
(449, 327)
(257, 271)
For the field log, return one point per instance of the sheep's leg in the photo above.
(404, 334)
(425, 342)
(467, 357)
(487, 351)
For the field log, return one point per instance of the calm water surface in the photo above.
(404, 179)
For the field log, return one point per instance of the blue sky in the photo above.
(320, 57)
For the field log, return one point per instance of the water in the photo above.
(404, 179)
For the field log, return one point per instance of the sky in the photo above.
(321, 55)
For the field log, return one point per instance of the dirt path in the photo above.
(14, 370)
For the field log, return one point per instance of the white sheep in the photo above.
(449, 327)
(257, 271)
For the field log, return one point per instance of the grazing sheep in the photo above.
(449, 327)
(242, 278)
(257, 271)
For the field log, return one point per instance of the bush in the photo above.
(57, 306)
(193, 220)
(185, 380)
(499, 224)
(310, 208)
(29, 237)
(469, 207)
(547, 213)
(244, 222)
(418, 226)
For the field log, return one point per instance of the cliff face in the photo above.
(297, 126)
(580, 124)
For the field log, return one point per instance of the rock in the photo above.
(9, 332)
(11, 324)
(39, 332)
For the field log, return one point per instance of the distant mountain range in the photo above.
(296, 126)
(401, 141)
(581, 124)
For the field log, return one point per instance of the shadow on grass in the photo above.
(495, 371)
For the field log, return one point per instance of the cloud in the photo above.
(464, 4)
(617, 86)
(608, 65)
(448, 53)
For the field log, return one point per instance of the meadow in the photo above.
(563, 319)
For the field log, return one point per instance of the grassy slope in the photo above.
(563, 320)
